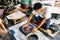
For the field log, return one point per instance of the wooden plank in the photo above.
(52, 35)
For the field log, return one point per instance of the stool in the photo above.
(17, 20)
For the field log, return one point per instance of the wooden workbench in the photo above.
(16, 15)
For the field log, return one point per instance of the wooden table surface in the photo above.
(16, 15)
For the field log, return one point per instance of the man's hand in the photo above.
(24, 26)
(34, 30)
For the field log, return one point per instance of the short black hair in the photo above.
(37, 6)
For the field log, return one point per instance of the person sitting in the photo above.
(40, 16)
(26, 6)
(26, 3)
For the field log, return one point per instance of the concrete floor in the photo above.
(57, 37)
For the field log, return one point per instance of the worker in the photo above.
(26, 5)
(40, 16)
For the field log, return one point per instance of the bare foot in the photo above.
(48, 31)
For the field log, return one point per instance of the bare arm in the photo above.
(28, 21)
(29, 18)
(43, 20)
(14, 10)
(41, 23)
(3, 30)
(2, 26)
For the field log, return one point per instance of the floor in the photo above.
(57, 37)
